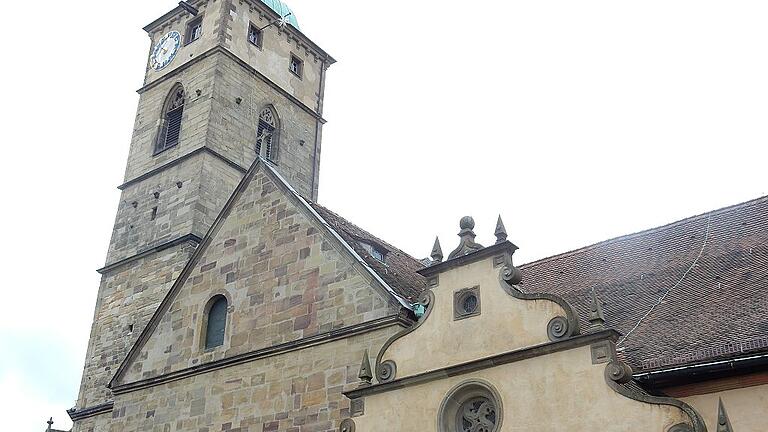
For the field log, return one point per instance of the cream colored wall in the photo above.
(505, 324)
(747, 408)
(563, 391)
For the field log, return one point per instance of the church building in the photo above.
(231, 300)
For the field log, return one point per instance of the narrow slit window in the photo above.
(194, 30)
(153, 216)
(266, 134)
(216, 323)
(254, 35)
(170, 125)
(296, 66)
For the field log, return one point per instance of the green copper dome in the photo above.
(282, 9)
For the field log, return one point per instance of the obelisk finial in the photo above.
(723, 423)
(437, 251)
(500, 232)
(365, 374)
(596, 316)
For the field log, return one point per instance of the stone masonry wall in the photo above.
(233, 126)
(128, 296)
(298, 391)
(157, 210)
(141, 157)
(273, 58)
(284, 277)
(191, 195)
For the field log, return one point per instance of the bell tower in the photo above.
(226, 82)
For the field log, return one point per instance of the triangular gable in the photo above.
(262, 208)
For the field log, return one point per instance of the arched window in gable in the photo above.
(170, 123)
(267, 134)
(216, 322)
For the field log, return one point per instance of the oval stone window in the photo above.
(473, 406)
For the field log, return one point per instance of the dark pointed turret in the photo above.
(500, 232)
(723, 423)
(437, 252)
(365, 374)
(596, 316)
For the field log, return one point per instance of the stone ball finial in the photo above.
(467, 223)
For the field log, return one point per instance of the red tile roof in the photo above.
(714, 289)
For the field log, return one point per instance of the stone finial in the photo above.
(437, 251)
(365, 374)
(500, 232)
(596, 316)
(467, 244)
(723, 423)
(50, 423)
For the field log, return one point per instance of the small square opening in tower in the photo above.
(254, 35)
(297, 66)
(194, 30)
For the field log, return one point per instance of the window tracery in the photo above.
(267, 134)
(170, 124)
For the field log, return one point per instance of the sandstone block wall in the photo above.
(298, 391)
(285, 279)
(233, 126)
(126, 300)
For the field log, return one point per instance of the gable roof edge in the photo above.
(339, 238)
(185, 272)
(201, 248)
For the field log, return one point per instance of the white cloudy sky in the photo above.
(576, 120)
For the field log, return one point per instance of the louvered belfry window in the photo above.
(217, 323)
(266, 134)
(171, 122)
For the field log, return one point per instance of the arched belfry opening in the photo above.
(268, 134)
(170, 122)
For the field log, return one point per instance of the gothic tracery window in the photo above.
(216, 322)
(471, 407)
(267, 134)
(170, 124)
(476, 415)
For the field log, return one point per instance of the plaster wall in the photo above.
(747, 408)
(284, 277)
(562, 391)
(504, 324)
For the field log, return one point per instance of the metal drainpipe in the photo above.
(318, 127)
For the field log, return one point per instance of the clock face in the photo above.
(165, 50)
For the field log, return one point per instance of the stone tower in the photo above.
(226, 81)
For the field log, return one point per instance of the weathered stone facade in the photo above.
(284, 278)
(171, 198)
(313, 301)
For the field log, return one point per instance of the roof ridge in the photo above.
(644, 232)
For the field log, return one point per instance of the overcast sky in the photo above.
(578, 121)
